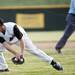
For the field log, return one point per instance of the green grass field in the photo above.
(34, 66)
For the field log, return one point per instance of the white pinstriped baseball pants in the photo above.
(30, 47)
(3, 64)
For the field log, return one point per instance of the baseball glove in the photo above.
(17, 61)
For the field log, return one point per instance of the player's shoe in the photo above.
(4, 70)
(56, 65)
(58, 49)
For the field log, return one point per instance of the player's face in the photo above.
(1, 28)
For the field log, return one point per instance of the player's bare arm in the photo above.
(10, 49)
(19, 36)
(22, 46)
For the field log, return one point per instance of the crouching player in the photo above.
(11, 33)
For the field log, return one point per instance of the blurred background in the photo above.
(47, 15)
(45, 19)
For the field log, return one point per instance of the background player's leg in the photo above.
(68, 32)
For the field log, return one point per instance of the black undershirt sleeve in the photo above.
(2, 40)
(17, 33)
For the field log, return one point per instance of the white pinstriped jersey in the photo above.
(9, 33)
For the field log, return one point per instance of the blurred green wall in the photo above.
(55, 11)
(54, 17)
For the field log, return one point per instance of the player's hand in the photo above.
(18, 55)
(18, 59)
(22, 53)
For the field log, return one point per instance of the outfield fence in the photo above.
(48, 40)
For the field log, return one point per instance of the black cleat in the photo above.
(56, 65)
(5, 70)
(58, 50)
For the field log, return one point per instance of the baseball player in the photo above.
(69, 28)
(11, 33)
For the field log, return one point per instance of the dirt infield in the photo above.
(51, 44)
